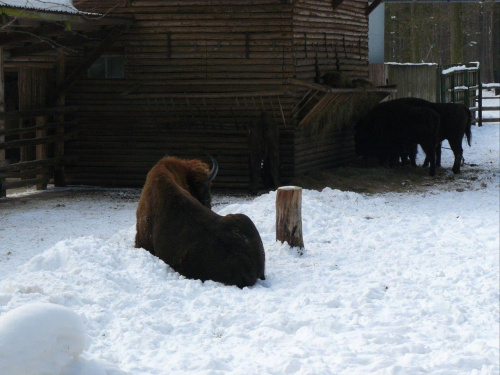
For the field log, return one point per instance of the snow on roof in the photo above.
(460, 68)
(59, 6)
(396, 63)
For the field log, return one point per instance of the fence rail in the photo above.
(445, 84)
(38, 142)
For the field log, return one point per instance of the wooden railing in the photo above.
(39, 138)
(462, 84)
(488, 108)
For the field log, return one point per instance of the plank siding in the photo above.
(226, 46)
(328, 40)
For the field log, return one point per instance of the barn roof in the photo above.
(18, 15)
(32, 26)
(51, 6)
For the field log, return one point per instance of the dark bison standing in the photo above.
(175, 223)
(455, 122)
(391, 127)
(263, 145)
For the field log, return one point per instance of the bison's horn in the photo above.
(215, 169)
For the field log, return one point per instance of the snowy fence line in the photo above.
(455, 84)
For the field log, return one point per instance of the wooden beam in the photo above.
(3, 189)
(23, 183)
(27, 165)
(15, 115)
(10, 36)
(59, 170)
(32, 129)
(47, 44)
(37, 141)
(370, 8)
(41, 151)
(80, 70)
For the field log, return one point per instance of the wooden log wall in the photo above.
(179, 47)
(313, 151)
(225, 46)
(328, 39)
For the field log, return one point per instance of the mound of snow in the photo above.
(39, 338)
(46, 339)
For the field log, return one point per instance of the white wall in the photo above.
(376, 35)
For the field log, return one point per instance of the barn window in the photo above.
(107, 67)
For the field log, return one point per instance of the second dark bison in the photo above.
(455, 123)
(175, 223)
(392, 126)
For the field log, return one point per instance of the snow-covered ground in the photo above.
(388, 284)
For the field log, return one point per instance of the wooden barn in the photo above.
(126, 82)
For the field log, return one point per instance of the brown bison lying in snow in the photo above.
(175, 223)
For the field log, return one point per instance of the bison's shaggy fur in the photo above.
(456, 121)
(391, 126)
(175, 223)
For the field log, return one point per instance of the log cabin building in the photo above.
(139, 79)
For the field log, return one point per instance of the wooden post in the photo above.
(3, 190)
(289, 216)
(480, 99)
(41, 150)
(59, 178)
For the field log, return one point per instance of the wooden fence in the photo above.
(39, 144)
(412, 80)
(452, 84)
(463, 85)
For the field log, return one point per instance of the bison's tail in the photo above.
(468, 133)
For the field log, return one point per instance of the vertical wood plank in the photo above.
(59, 175)
(41, 150)
(3, 191)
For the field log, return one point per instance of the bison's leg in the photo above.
(438, 155)
(456, 147)
(408, 152)
(430, 153)
(426, 161)
(403, 154)
(413, 155)
(392, 155)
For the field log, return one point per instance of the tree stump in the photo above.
(289, 216)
